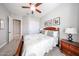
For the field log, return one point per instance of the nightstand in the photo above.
(69, 47)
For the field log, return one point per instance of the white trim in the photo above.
(3, 44)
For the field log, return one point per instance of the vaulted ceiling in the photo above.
(16, 8)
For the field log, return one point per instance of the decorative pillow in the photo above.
(50, 33)
(46, 32)
(43, 32)
(55, 33)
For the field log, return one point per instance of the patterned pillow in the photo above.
(43, 32)
(50, 33)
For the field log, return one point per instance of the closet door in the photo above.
(16, 29)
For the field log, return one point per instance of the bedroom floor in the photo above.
(54, 52)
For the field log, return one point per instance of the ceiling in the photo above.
(15, 8)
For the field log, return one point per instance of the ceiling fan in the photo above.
(33, 7)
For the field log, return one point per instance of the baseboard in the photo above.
(3, 44)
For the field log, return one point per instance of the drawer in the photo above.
(65, 45)
(68, 52)
(74, 49)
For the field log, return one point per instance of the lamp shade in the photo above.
(71, 30)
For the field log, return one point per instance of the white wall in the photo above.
(69, 16)
(30, 24)
(4, 33)
(25, 25)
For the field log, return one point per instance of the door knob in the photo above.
(9, 32)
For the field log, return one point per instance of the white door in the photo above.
(10, 28)
(16, 29)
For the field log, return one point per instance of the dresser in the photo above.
(69, 48)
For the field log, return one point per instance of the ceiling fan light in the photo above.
(32, 8)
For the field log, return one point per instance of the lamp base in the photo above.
(70, 40)
(70, 37)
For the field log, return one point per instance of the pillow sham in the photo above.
(52, 33)
(43, 32)
(55, 33)
(46, 32)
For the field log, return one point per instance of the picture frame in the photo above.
(1, 24)
(52, 22)
(56, 21)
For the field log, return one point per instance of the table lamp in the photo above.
(70, 32)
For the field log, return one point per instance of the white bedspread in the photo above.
(37, 44)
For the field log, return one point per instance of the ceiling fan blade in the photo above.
(38, 10)
(25, 7)
(30, 3)
(37, 4)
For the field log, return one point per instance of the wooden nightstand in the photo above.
(69, 48)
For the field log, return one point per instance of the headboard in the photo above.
(54, 29)
(51, 28)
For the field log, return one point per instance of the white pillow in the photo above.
(52, 33)
(46, 31)
(55, 34)
(43, 32)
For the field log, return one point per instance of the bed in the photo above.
(39, 44)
